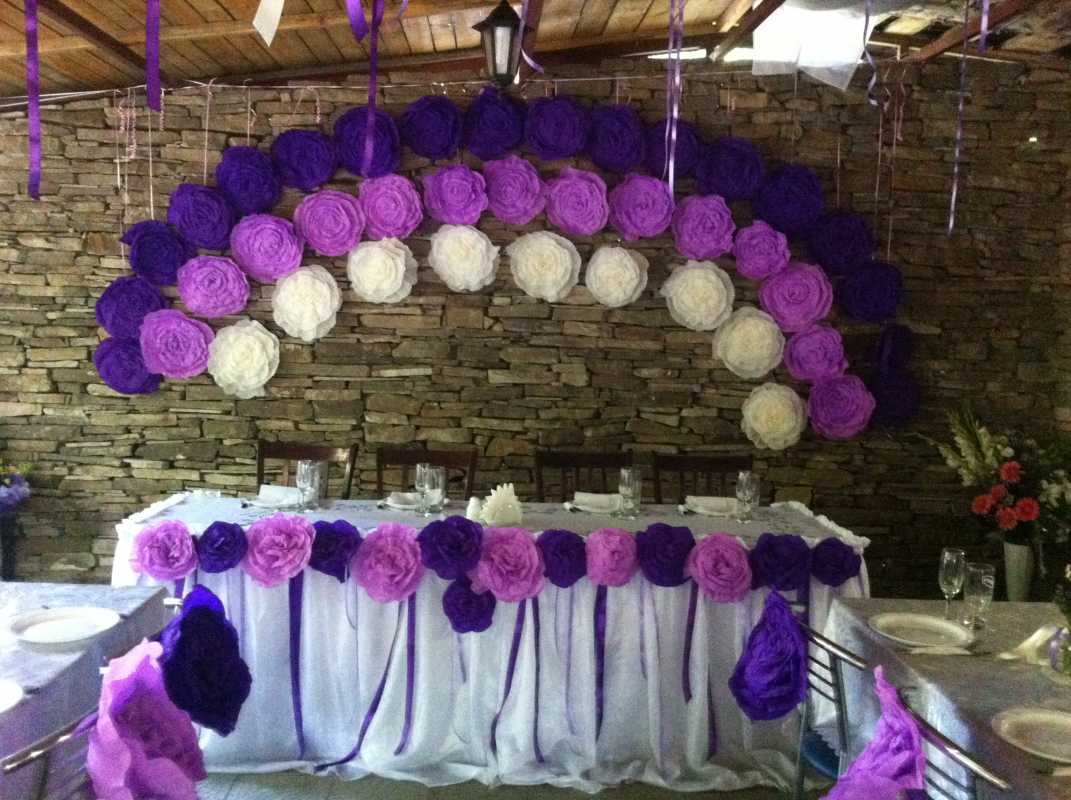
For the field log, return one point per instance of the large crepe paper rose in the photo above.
(515, 192)
(687, 149)
(618, 138)
(770, 679)
(897, 396)
(392, 207)
(164, 551)
(616, 276)
(455, 194)
(576, 202)
(544, 265)
(202, 215)
(142, 745)
(280, 547)
(305, 303)
(333, 547)
(749, 343)
(760, 251)
(247, 178)
(816, 353)
(387, 563)
(305, 160)
(510, 565)
(833, 561)
(493, 124)
(611, 556)
(893, 348)
(699, 295)
(157, 251)
(790, 199)
(870, 786)
(731, 168)
(350, 130)
(703, 227)
(781, 561)
(450, 547)
(841, 241)
(662, 551)
(841, 407)
(463, 257)
(556, 127)
(797, 297)
(431, 127)
(221, 547)
(122, 367)
(872, 292)
(173, 345)
(330, 222)
(383, 271)
(468, 611)
(213, 286)
(243, 358)
(640, 207)
(124, 304)
(266, 247)
(719, 566)
(564, 557)
(773, 417)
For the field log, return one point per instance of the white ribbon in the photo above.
(266, 20)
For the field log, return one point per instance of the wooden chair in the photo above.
(577, 471)
(302, 451)
(463, 461)
(709, 475)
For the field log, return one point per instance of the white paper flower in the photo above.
(699, 295)
(463, 257)
(383, 271)
(502, 507)
(242, 358)
(304, 303)
(774, 416)
(749, 343)
(544, 265)
(616, 276)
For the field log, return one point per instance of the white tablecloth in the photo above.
(649, 733)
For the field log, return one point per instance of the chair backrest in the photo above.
(577, 471)
(463, 461)
(302, 451)
(825, 677)
(54, 767)
(707, 474)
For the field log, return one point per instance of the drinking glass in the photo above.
(747, 494)
(630, 487)
(950, 575)
(310, 477)
(421, 485)
(434, 490)
(978, 593)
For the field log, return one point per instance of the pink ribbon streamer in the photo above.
(33, 99)
(152, 53)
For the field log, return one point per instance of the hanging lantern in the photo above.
(502, 32)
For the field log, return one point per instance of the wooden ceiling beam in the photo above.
(731, 15)
(998, 14)
(747, 24)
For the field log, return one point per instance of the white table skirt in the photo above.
(649, 733)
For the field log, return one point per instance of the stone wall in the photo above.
(507, 374)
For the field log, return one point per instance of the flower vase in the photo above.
(1018, 570)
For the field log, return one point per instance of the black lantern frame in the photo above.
(502, 34)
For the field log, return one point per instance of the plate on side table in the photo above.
(921, 630)
(10, 694)
(63, 626)
(1038, 731)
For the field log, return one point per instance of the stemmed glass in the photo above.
(310, 477)
(747, 493)
(978, 587)
(431, 488)
(951, 574)
(630, 487)
(420, 483)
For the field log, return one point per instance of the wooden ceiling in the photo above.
(99, 45)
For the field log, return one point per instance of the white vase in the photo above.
(1018, 570)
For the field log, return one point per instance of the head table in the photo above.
(355, 665)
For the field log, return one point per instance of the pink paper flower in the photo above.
(279, 547)
(719, 565)
(173, 345)
(511, 566)
(213, 286)
(576, 202)
(391, 207)
(760, 251)
(331, 222)
(164, 551)
(266, 247)
(455, 194)
(515, 192)
(703, 227)
(611, 557)
(387, 563)
(641, 207)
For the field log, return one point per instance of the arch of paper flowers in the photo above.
(150, 341)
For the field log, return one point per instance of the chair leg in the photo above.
(797, 793)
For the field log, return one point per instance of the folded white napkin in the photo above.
(271, 494)
(157, 507)
(412, 499)
(712, 506)
(595, 503)
(474, 510)
(1034, 649)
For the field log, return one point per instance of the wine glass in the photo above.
(630, 487)
(420, 483)
(310, 477)
(434, 490)
(747, 493)
(978, 587)
(951, 574)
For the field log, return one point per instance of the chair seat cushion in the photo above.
(820, 755)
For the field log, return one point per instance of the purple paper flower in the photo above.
(305, 160)
(731, 168)
(455, 195)
(431, 127)
(760, 251)
(815, 353)
(387, 563)
(703, 227)
(833, 562)
(246, 177)
(14, 493)
(841, 241)
(330, 222)
(564, 557)
(213, 286)
(781, 561)
(350, 130)
(156, 251)
(897, 396)
(468, 611)
(687, 149)
(797, 297)
(611, 556)
(173, 345)
(872, 293)
(618, 138)
(124, 304)
(719, 565)
(164, 551)
(122, 368)
(280, 547)
(202, 215)
(576, 202)
(893, 349)
(510, 566)
(450, 547)
(790, 199)
(662, 551)
(770, 679)
(840, 408)
(221, 547)
(333, 547)
(266, 247)
(391, 207)
(494, 124)
(640, 207)
(557, 127)
(515, 192)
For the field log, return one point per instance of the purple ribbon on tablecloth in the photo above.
(410, 673)
(461, 658)
(712, 725)
(514, 649)
(180, 586)
(689, 631)
(535, 723)
(643, 629)
(33, 99)
(152, 53)
(569, 716)
(296, 591)
(600, 655)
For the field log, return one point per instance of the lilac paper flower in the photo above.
(330, 222)
(515, 192)
(611, 556)
(576, 202)
(431, 127)
(510, 566)
(618, 138)
(770, 679)
(893, 348)
(760, 251)
(305, 160)
(333, 547)
(157, 251)
(455, 195)
(687, 149)
(797, 297)
(662, 551)
(221, 547)
(640, 207)
(781, 561)
(494, 124)
(246, 176)
(173, 345)
(387, 563)
(790, 199)
(450, 547)
(468, 611)
(833, 562)
(122, 368)
(872, 293)
(719, 565)
(703, 227)
(350, 130)
(391, 206)
(731, 168)
(841, 241)
(280, 547)
(203, 215)
(897, 396)
(815, 353)
(124, 304)
(266, 247)
(564, 557)
(557, 127)
(164, 551)
(840, 408)
(213, 286)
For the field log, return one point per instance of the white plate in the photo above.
(1038, 731)
(256, 502)
(921, 630)
(63, 625)
(10, 694)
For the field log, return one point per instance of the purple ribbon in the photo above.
(528, 59)
(373, 84)
(357, 21)
(600, 655)
(570, 717)
(535, 723)
(296, 590)
(33, 99)
(984, 32)
(410, 673)
(515, 646)
(152, 53)
(643, 629)
(958, 148)
(689, 630)
(674, 86)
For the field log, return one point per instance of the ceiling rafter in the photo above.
(745, 27)
(999, 14)
(731, 15)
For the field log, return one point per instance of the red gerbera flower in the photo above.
(1007, 519)
(1027, 509)
(982, 505)
(998, 492)
(1011, 471)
